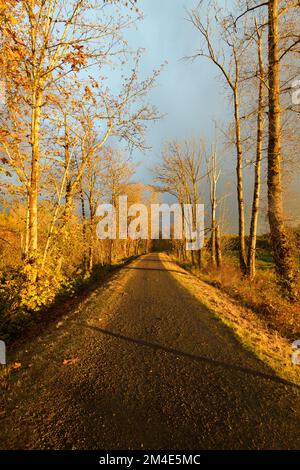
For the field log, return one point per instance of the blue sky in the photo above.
(189, 93)
(192, 95)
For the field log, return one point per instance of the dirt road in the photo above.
(143, 364)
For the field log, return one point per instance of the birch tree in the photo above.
(230, 70)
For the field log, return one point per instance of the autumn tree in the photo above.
(54, 39)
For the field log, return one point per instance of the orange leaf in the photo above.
(16, 365)
(67, 362)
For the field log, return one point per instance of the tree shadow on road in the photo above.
(156, 269)
(224, 365)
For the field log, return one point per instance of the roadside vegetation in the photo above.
(264, 320)
(66, 133)
(262, 294)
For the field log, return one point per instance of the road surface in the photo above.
(142, 364)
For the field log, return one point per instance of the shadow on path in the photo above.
(157, 269)
(193, 357)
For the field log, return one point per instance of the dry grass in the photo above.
(260, 332)
(262, 295)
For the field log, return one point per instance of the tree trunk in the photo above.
(34, 178)
(240, 191)
(199, 258)
(68, 195)
(280, 242)
(218, 247)
(84, 231)
(91, 256)
(26, 243)
(92, 233)
(213, 222)
(256, 193)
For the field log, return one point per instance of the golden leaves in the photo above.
(77, 58)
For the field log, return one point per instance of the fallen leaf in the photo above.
(67, 362)
(16, 365)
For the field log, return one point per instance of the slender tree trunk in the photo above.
(280, 242)
(218, 247)
(83, 215)
(213, 219)
(240, 191)
(92, 232)
(213, 231)
(257, 174)
(91, 251)
(26, 243)
(213, 176)
(34, 179)
(183, 241)
(199, 258)
(68, 195)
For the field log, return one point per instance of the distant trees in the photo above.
(186, 172)
(181, 175)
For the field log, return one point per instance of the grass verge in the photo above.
(252, 330)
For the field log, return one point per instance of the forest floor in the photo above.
(151, 359)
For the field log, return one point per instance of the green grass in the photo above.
(264, 258)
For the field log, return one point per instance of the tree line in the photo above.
(255, 50)
(63, 124)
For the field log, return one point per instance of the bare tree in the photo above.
(213, 176)
(180, 174)
(257, 168)
(231, 73)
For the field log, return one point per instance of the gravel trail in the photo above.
(141, 364)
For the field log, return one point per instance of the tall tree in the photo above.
(280, 240)
(257, 166)
(213, 176)
(231, 73)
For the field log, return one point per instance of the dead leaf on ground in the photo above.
(16, 365)
(72, 360)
